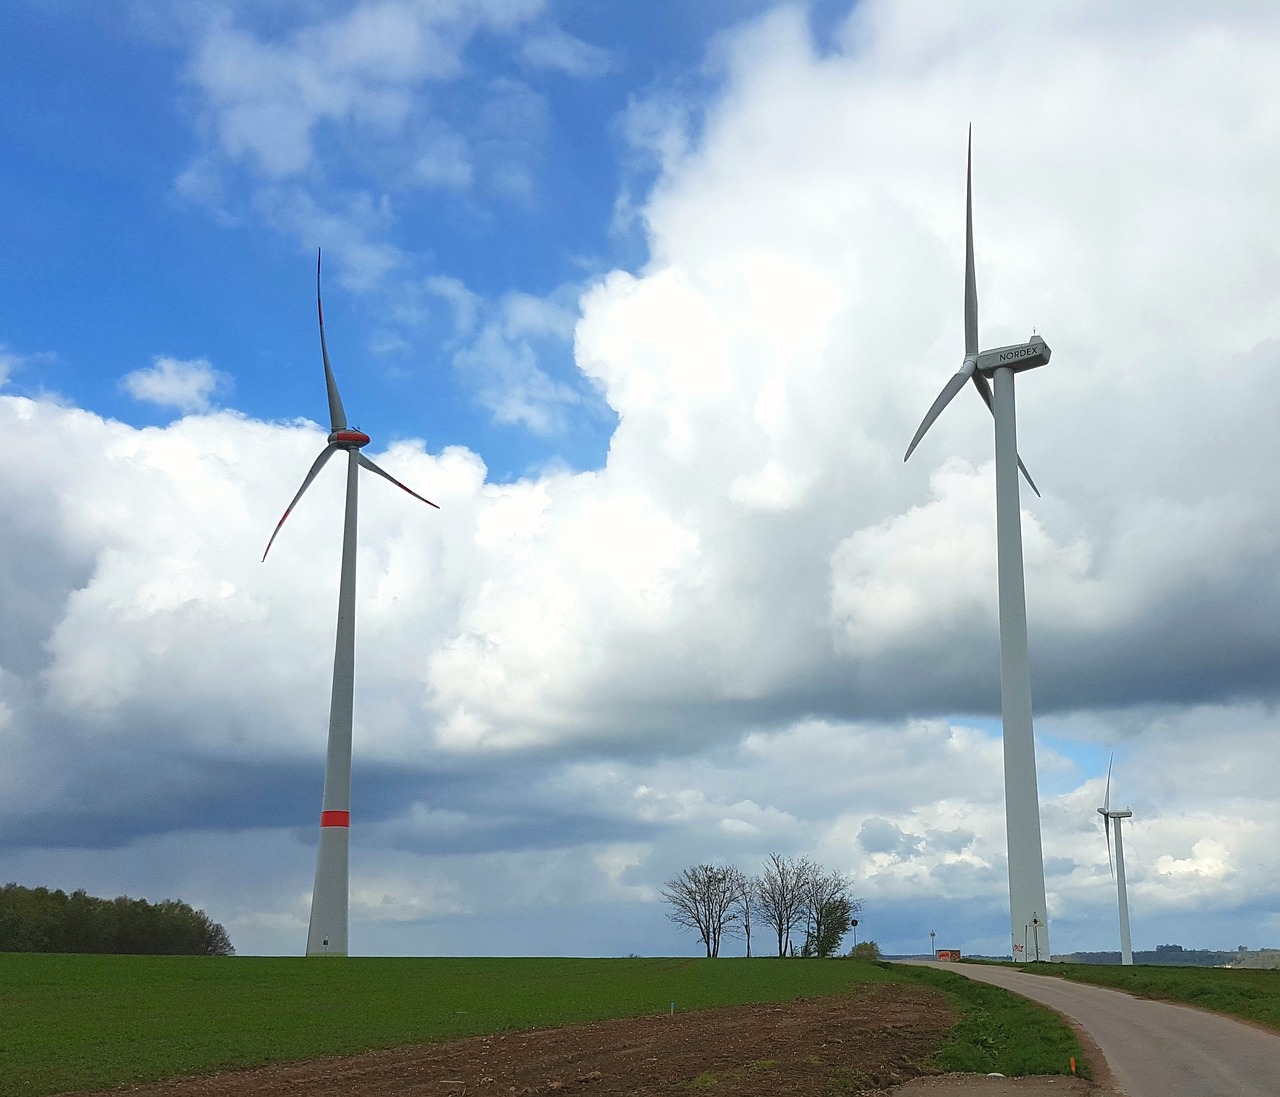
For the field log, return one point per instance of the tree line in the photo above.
(791, 893)
(40, 920)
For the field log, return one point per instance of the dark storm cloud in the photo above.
(38, 569)
(882, 836)
(1215, 642)
(113, 800)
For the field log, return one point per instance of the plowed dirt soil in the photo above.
(866, 1043)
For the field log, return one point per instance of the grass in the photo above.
(93, 1022)
(1244, 993)
(847, 1080)
(710, 1079)
(999, 1031)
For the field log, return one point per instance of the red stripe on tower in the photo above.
(335, 818)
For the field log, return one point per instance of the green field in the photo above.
(75, 1022)
(1249, 994)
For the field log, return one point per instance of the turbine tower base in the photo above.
(327, 935)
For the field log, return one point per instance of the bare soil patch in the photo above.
(853, 1043)
(863, 1043)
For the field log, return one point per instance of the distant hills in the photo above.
(1186, 957)
(1170, 955)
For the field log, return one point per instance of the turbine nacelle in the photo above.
(1019, 357)
(1105, 811)
(349, 439)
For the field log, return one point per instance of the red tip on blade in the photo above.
(335, 818)
(283, 519)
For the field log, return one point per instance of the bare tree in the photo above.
(782, 895)
(746, 902)
(829, 908)
(703, 899)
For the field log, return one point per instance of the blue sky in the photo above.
(109, 252)
(650, 300)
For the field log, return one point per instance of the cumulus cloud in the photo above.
(186, 386)
(752, 628)
(265, 98)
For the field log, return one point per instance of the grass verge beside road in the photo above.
(1244, 993)
(94, 1022)
(1000, 1032)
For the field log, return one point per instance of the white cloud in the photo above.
(347, 227)
(511, 128)
(187, 386)
(555, 49)
(511, 350)
(463, 303)
(444, 160)
(266, 98)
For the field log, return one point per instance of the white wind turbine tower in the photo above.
(1117, 866)
(327, 934)
(1028, 919)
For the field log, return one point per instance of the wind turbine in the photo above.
(327, 934)
(1117, 866)
(1028, 918)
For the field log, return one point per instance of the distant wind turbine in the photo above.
(1117, 866)
(330, 897)
(1028, 918)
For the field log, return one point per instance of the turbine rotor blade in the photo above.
(1110, 862)
(337, 416)
(944, 398)
(1027, 476)
(970, 277)
(983, 386)
(1106, 800)
(366, 463)
(325, 454)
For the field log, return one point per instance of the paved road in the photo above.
(1154, 1049)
